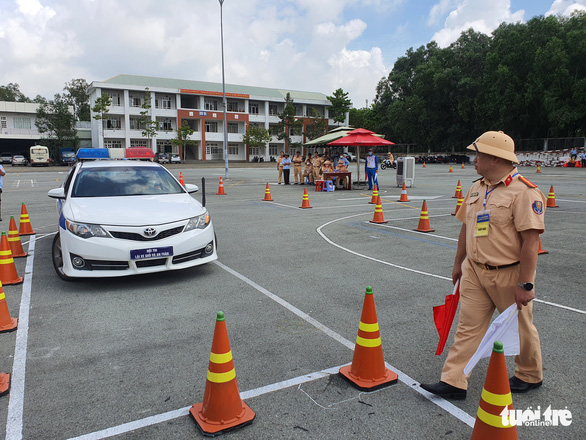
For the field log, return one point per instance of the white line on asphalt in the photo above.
(417, 232)
(16, 403)
(571, 201)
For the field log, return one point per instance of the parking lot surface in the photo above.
(125, 358)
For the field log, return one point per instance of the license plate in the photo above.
(155, 252)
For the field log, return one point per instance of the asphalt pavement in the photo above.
(126, 358)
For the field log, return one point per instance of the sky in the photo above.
(307, 45)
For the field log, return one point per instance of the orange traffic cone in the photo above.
(4, 383)
(378, 213)
(496, 398)
(25, 222)
(458, 191)
(8, 273)
(221, 188)
(368, 370)
(540, 250)
(566, 164)
(305, 201)
(374, 194)
(267, 194)
(462, 165)
(14, 240)
(404, 197)
(424, 225)
(538, 169)
(451, 171)
(551, 199)
(222, 408)
(423, 164)
(181, 178)
(7, 323)
(460, 201)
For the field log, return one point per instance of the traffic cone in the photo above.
(14, 240)
(551, 199)
(25, 223)
(305, 201)
(222, 408)
(368, 371)
(538, 169)
(4, 383)
(451, 171)
(267, 194)
(458, 191)
(462, 165)
(8, 273)
(540, 250)
(378, 213)
(374, 195)
(566, 164)
(221, 188)
(7, 323)
(423, 164)
(460, 201)
(404, 197)
(495, 397)
(181, 178)
(424, 225)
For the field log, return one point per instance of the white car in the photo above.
(175, 158)
(126, 217)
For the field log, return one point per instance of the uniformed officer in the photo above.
(316, 163)
(297, 161)
(496, 260)
(280, 167)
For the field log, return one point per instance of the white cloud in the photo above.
(566, 7)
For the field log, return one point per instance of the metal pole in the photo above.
(224, 102)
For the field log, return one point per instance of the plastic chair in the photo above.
(328, 186)
(319, 185)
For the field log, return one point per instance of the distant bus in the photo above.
(39, 156)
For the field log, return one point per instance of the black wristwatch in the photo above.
(527, 286)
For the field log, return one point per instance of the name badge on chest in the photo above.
(482, 221)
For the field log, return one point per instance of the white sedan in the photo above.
(126, 217)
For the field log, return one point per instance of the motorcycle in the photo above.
(387, 164)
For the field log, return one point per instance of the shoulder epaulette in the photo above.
(527, 182)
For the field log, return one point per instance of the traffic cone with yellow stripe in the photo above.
(181, 178)
(404, 197)
(492, 420)
(7, 323)
(222, 408)
(25, 222)
(460, 201)
(267, 194)
(374, 195)
(4, 383)
(458, 191)
(378, 212)
(221, 188)
(551, 199)
(423, 165)
(368, 370)
(462, 165)
(451, 170)
(424, 225)
(14, 240)
(8, 274)
(305, 201)
(538, 169)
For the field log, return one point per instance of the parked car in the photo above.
(19, 159)
(175, 158)
(5, 157)
(162, 158)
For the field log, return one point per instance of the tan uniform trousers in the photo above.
(280, 174)
(316, 174)
(481, 291)
(297, 173)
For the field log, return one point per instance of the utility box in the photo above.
(406, 171)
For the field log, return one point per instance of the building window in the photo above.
(115, 97)
(113, 144)
(211, 104)
(232, 127)
(255, 151)
(3, 121)
(253, 108)
(136, 124)
(273, 149)
(22, 123)
(273, 110)
(166, 125)
(232, 106)
(211, 127)
(164, 102)
(232, 148)
(135, 102)
(138, 142)
(113, 123)
(212, 149)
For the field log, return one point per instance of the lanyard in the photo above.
(488, 192)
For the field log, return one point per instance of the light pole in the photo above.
(224, 102)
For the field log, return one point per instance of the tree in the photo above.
(100, 108)
(182, 140)
(57, 122)
(288, 122)
(317, 127)
(12, 93)
(340, 106)
(256, 136)
(149, 127)
(76, 94)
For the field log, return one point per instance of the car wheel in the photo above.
(57, 256)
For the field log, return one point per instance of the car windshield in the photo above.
(124, 181)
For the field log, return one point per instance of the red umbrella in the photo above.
(443, 317)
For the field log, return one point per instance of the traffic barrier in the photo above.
(8, 274)
(222, 408)
(368, 371)
(181, 178)
(7, 323)
(495, 398)
(540, 251)
(4, 383)
(458, 191)
(378, 212)
(451, 170)
(458, 205)
(14, 240)
(538, 169)
(551, 199)
(25, 222)
(221, 188)
(424, 225)
(374, 195)
(305, 201)
(403, 197)
(267, 194)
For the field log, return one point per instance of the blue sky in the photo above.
(313, 45)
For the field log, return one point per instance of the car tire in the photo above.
(57, 257)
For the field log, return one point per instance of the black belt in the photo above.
(489, 267)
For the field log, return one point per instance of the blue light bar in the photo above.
(93, 153)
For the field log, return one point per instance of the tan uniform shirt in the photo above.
(514, 207)
(316, 162)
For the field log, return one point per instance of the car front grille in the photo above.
(138, 237)
(151, 263)
(105, 265)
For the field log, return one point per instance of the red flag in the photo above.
(443, 317)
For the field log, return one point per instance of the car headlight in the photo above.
(85, 230)
(199, 222)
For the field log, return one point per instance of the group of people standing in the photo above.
(314, 167)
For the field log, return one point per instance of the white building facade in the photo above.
(200, 104)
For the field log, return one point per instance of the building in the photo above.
(200, 104)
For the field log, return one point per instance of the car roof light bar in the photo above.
(92, 153)
(115, 153)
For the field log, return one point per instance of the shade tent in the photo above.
(334, 134)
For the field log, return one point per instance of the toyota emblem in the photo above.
(149, 232)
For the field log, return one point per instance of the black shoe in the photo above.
(445, 390)
(520, 386)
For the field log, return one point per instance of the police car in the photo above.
(125, 217)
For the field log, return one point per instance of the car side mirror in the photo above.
(191, 188)
(57, 193)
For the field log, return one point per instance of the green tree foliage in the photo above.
(75, 92)
(340, 106)
(12, 93)
(100, 108)
(149, 127)
(527, 79)
(55, 120)
(288, 122)
(317, 127)
(256, 136)
(183, 134)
